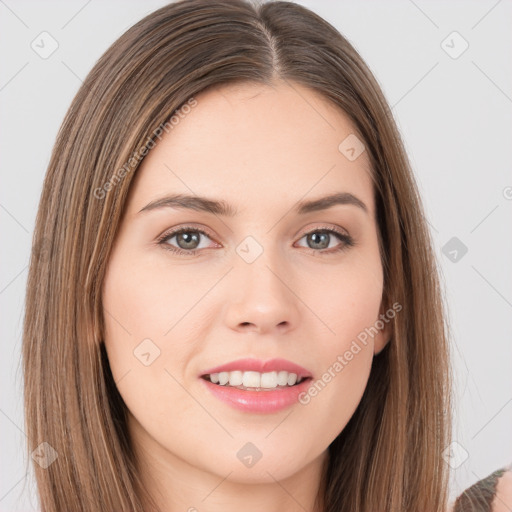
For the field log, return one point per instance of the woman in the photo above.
(240, 295)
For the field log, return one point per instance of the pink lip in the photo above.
(256, 365)
(257, 401)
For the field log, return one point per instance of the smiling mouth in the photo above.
(299, 380)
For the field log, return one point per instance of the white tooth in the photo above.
(223, 378)
(282, 378)
(292, 379)
(251, 379)
(269, 380)
(235, 378)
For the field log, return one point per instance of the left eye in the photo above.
(321, 238)
(188, 240)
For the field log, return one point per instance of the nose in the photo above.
(262, 298)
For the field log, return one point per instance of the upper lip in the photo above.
(257, 365)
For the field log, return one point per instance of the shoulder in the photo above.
(491, 494)
(503, 499)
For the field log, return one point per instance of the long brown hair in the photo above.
(389, 457)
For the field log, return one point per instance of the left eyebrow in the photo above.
(220, 207)
(323, 203)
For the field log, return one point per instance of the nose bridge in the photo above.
(260, 262)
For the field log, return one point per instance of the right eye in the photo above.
(189, 238)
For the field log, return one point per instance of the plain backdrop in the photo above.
(445, 68)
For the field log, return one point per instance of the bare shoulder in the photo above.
(502, 501)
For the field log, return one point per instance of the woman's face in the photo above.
(265, 280)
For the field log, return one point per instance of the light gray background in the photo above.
(455, 118)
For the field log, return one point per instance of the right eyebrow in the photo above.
(183, 201)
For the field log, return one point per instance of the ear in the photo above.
(384, 323)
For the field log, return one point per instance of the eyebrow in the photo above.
(220, 207)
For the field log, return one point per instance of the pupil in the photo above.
(189, 238)
(315, 238)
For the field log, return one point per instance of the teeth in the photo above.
(269, 380)
(236, 378)
(282, 378)
(251, 379)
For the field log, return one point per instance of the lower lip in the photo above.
(258, 401)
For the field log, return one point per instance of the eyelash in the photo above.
(347, 240)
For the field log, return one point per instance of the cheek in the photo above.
(151, 298)
(133, 297)
(137, 316)
(149, 337)
(347, 298)
(140, 312)
(349, 309)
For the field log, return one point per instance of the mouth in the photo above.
(242, 391)
(256, 381)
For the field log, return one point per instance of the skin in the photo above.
(261, 149)
(503, 499)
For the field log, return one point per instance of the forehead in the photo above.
(256, 146)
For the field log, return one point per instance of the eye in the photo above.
(188, 240)
(321, 239)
